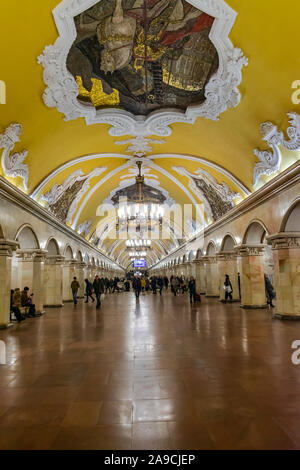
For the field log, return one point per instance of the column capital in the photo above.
(226, 255)
(210, 259)
(284, 240)
(32, 255)
(255, 249)
(55, 259)
(7, 247)
(200, 261)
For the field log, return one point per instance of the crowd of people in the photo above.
(22, 304)
(157, 284)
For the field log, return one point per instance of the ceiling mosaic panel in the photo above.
(143, 55)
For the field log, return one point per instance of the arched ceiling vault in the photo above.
(72, 167)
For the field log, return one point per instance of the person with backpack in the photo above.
(228, 288)
(88, 290)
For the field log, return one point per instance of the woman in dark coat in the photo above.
(88, 291)
(192, 290)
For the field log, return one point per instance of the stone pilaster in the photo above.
(32, 265)
(54, 281)
(200, 275)
(6, 249)
(212, 276)
(227, 264)
(286, 250)
(251, 268)
(79, 273)
(68, 276)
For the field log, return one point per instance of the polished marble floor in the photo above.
(157, 374)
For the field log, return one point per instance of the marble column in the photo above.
(286, 251)
(227, 264)
(251, 269)
(79, 273)
(200, 276)
(6, 249)
(68, 276)
(32, 266)
(53, 277)
(192, 269)
(212, 276)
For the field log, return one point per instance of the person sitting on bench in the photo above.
(27, 301)
(15, 304)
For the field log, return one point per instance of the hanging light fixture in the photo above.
(140, 204)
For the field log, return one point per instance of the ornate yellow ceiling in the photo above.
(184, 159)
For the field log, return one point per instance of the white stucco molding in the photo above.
(12, 164)
(221, 91)
(270, 160)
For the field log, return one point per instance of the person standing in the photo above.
(137, 286)
(270, 294)
(228, 288)
(166, 282)
(192, 290)
(98, 286)
(88, 291)
(75, 287)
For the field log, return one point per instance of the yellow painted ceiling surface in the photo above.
(267, 31)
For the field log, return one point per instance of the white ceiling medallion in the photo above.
(12, 164)
(270, 160)
(140, 145)
(221, 92)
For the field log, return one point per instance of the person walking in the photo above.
(137, 286)
(154, 284)
(98, 286)
(160, 283)
(192, 290)
(174, 285)
(88, 291)
(228, 288)
(143, 284)
(75, 287)
(166, 282)
(270, 293)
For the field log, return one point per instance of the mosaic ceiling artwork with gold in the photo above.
(143, 55)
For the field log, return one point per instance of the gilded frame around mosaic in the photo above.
(221, 91)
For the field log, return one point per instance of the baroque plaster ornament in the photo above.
(270, 160)
(221, 91)
(134, 172)
(63, 200)
(85, 228)
(12, 164)
(217, 197)
(140, 144)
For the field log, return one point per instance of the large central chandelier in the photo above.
(139, 204)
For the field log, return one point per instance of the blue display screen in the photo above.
(141, 263)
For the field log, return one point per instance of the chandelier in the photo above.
(139, 204)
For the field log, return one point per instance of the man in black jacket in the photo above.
(98, 286)
(137, 286)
